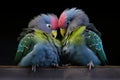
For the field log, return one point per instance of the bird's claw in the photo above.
(55, 65)
(34, 68)
(90, 65)
(69, 64)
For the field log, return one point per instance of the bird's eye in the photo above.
(48, 25)
(68, 23)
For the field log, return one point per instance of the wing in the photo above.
(94, 42)
(24, 47)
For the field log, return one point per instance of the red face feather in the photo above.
(62, 20)
(54, 22)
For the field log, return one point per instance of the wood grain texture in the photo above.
(61, 73)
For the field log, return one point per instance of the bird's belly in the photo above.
(82, 56)
(37, 59)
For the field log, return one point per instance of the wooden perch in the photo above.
(61, 73)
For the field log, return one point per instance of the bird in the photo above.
(37, 46)
(70, 20)
(72, 15)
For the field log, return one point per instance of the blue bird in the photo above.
(69, 21)
(37, 47)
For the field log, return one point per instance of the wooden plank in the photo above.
(61, 73)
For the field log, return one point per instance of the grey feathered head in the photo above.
(72, 18)
(44, 22)
(73, 15)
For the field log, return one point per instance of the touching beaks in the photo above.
(62, 31)
(54, 33)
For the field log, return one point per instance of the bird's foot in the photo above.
(34, 67)
(90, 65)
(55, 65)
(65, 65)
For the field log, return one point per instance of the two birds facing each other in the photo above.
(81, 44)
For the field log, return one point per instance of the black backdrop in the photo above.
(15, 16)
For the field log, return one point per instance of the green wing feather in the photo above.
(24, 47)
(27, 43)
(94, 42)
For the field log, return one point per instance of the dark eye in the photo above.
(68, 22)
(48, 25)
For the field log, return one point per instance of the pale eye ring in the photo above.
(48, 25)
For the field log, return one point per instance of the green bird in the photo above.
(37, 47)
(70, 20)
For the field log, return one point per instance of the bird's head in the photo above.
(45, 22)
(65, 18)
(71, 18)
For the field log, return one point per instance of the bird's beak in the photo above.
(62, 31)
(54, 33)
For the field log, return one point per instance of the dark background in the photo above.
(15, 15)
